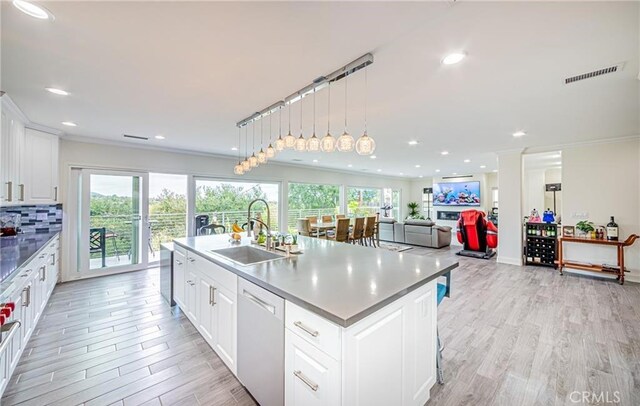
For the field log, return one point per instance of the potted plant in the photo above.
(585, 227)
(413, 211)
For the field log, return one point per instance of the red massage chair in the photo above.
(478, 236)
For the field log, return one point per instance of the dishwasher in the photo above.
(261, 343)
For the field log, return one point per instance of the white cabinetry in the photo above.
(210, 302)
(179, 260)
(28, 163)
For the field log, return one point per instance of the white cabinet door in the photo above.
(206, 322)
(18, 342)
(52, 268)
(178, 278)
(225, 327)
(190, 293)
(11, 143)
(311, 377)
(39, 161)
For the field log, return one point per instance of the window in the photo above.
(226, 202)
(392, 199)
(167, 210)
(363, 201)
(308, 199)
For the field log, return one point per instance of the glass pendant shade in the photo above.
(289, 141)
(279, 144)
(313, 144)
(365, 145)
(246, 166)
(238, 169)
(271, 152)
(253, 160)
(301, 144)
(262, 156)
(328, 143)
(345, 142)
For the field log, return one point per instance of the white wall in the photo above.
(510, 213)
(533, 190)
(603, 180)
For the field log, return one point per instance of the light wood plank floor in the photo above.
(512, 336)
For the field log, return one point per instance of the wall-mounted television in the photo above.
(456, 194)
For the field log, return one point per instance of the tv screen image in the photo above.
(456, 194)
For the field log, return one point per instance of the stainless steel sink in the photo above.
(247, 255)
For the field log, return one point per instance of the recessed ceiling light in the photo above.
(455, 173)
(413, 142)
(417, 166)
(437, 170)
(557, 163)
(420, 176)
(69, 123)
(59, 92)
(232, 148)
(350, 166)
(556, 156)
(161, 137)
(444, 153)
(373, 157)
(466, 161)
(519, 134)
(495, 170)
(401, 173)
(32, 10)
(315, 161)
(453, 58)
(379, 170)
(483, 166)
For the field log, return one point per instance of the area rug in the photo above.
(394, 247)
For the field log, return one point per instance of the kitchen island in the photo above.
(359, 324)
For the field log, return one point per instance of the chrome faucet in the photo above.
(268, 243)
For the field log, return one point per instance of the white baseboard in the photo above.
(510, 261)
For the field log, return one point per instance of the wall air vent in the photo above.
(457, 177)
(595, 73)
(135, 137)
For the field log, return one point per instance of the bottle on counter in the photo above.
(612, 230)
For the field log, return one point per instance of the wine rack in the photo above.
(541, 244)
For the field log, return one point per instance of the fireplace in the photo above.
(448, 215)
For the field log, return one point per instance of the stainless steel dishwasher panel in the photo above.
(261, 343)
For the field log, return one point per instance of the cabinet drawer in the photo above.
(314, 329)
(311, 377)
(178, 248)
(205, 267)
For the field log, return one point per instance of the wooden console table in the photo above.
(616, 270)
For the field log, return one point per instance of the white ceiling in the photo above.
(190, 70)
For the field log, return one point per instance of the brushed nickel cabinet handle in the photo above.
(307, 381)
(178, 262)
(212, 295)
(311, 332)
(27, 301)
(43, 270)
(21, 186)
(9, 191)
(53, 259)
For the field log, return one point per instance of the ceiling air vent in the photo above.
(457, 177)
(595, 73)
(135, 137)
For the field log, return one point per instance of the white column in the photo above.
(510, 205)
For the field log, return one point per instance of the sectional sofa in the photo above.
(424, 233)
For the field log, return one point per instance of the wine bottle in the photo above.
(612, 230)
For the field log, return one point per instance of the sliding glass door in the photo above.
(113, 223)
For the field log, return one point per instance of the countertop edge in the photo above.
(308, 306)
(31, 258)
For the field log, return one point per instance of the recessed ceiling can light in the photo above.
(420, 176)
(444, 153)
(69, 123)
(413, 142)
(33, 10)
(466, 161)
(495, 170)
(232, 148)
(519, 134)
(379, 170)
(161, 137)
(483, 166)
(417, 166)
(59, 92)
(455, 173)
(315, 161)
(373, 157)
(437, 170)
(453, 58)
(401, 173)
(350, 166)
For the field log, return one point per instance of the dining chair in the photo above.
(357, 231)
(313, 220)
(97, 243)
(212, 229)
(342, 231)
(304, 228)
(327, 219)
(369, 232)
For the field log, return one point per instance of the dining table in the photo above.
(319, 227)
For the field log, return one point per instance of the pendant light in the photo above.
(271, 152)
(328, 143)
(246, 166)
(253, 160)
(262, 156)
(280, 141)
(345, 141)
(289, 139)
(301, 144)
(313, 143)
(238, 170)
(365, 144)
